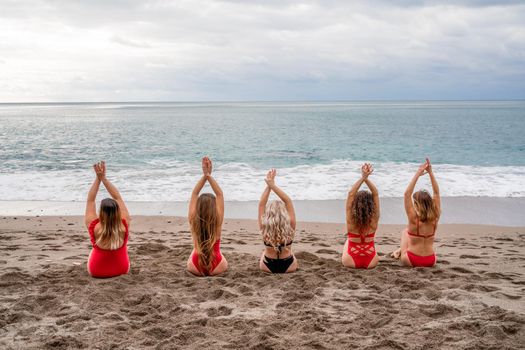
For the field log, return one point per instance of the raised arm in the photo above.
(113, 192)
(375, 194)
(219, 195)
(435, 187)
(409, 205)
(207, 168)
(262, 205)
(91, 207)
(192, 209)
(270, 181)
(366, 169)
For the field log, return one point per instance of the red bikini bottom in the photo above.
(421, 261)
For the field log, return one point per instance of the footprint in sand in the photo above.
(465, 256)
(326, 251)
(220, 311)
(438, 310)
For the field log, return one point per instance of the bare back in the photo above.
(421, 237)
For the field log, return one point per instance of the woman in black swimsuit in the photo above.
(277, 224)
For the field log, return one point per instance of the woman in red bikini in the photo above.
(362, 218)
(205, 214)
(109, 231)
(423, 211)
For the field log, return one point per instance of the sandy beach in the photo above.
(473, 298)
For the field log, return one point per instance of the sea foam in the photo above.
(174, 181)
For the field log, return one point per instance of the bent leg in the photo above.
(405, 260)
(262, 265)
(89, 259)
(403, 245)
(346, 259)
(222, 267)
(294, 266)
(192, 268)
(374, 262)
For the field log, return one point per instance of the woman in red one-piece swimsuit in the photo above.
(423, 211)
(109, 231)
(205, 214)
(362, 218)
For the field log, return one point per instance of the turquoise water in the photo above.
(318, 146)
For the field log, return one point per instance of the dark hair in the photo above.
(363, 209)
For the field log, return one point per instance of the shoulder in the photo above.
(92, 224)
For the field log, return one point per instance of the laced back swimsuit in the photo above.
(362, 252)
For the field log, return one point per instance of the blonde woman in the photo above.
(277, 225)
(109, 231)
(205, 215)
(362, 219)
(423, 212)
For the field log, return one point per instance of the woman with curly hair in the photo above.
(362, 218)
(423, 212)
(277, 224)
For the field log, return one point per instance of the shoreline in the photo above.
(496, 211)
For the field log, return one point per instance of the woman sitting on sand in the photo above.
(109, 231)
(362, 218)
(423, 213)
(277, 224)
(206, 214)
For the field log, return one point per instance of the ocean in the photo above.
(153, 150)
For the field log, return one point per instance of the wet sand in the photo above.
(473, 298)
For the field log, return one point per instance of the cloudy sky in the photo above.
(146, 50)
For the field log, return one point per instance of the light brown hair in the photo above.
(204, 227)
(111, 232)
(425, 207)
(363, 210)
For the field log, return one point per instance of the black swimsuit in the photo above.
(278, 265)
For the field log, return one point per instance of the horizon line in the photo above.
(265, 101)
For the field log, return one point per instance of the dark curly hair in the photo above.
(363, 209)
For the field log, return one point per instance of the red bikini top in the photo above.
(362, 237)
(422, 236)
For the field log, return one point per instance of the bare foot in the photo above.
(396, 253)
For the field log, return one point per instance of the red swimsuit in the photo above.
(418, 260)
(216, 260)
(362, 252)
(104, 262)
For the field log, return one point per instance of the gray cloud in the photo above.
(234, 50)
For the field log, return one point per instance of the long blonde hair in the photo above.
(276, 227)
(111, 232)
(204, 227)
(425, 207)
